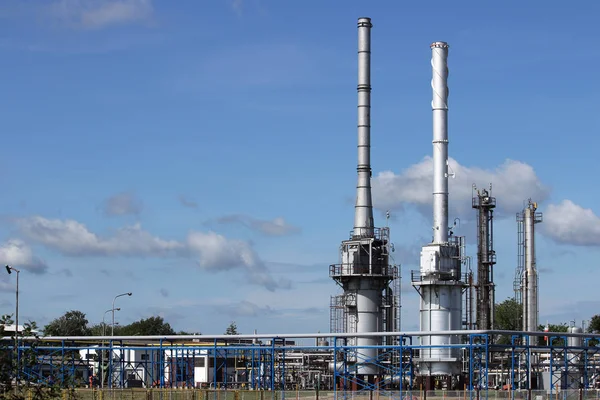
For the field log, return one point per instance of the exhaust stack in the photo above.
(370, 299)
(363, 210)
(439, 106)
(439, 278)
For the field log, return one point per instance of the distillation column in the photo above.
(529, 287)
(439, 279)
(484, 203)
(364, 272)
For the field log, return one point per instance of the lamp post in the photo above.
(112, 330)
(102, 351)
(103, 319)
(112, 333)
(9, 269)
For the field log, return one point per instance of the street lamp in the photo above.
(102, 351)
(9, 269)
(104, 317)
(112, 330)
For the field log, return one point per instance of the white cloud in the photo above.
(95, 14)
(513, 182)
(16, 253)
(74, 239)
(215, 252)
(212, 252)
(570, 223)
(124, 203)
(274, 227)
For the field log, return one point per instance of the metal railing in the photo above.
(383, 270)
(222, 394)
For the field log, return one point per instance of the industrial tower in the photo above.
(369, 302)
(439, 280)
(484, 203)
(526, 276)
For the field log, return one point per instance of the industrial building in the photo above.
(456, 347)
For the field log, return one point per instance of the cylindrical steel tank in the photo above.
(575, 341)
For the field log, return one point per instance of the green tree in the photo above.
(73, 323)
(594, 325)
(143, 327)
(101, 329)
(553, 328)
(508, 316)
(232, 329)
(188, 333)
(30, 386)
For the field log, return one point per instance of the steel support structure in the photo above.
(277, 364)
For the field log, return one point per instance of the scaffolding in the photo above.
(343, 307)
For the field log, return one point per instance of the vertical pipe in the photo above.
(439, 105)
(18, 355)
(363, 211)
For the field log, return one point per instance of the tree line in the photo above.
(508, 316)
(75, 323)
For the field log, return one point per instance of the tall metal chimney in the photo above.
(369, 303)
(439, 279)
(439, 105)
(363, 211)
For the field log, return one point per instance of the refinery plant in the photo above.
(456, 348)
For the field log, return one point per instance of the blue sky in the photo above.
(202, 154)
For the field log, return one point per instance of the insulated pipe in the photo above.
(363, 211)
(439, 105)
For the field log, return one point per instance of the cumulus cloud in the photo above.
(16, 252)
(96, 14)
(73, 238)
(211, 251)
(125, 203)
(274, 227)
(513, 182)
(570, 223)
(214, 252)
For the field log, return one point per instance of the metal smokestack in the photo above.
(363, 211)
(364, 272)
(439, 105)
(439, 279)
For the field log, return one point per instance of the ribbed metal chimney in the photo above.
(439, 279)
(439, 105)
(363, 211)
